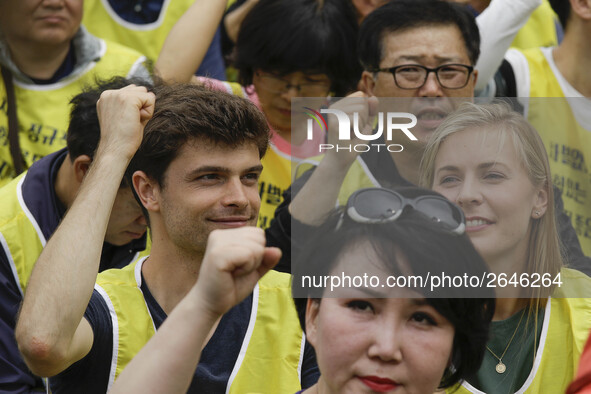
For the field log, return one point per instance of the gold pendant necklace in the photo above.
(500, 367)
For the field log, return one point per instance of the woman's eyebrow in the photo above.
(447, 168)
(419, 301)
(491, 164)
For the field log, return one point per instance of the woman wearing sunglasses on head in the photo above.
(371, 338)
(492, 163)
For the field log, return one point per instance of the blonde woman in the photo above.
(492, 163)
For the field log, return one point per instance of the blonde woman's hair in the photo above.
(544, 250)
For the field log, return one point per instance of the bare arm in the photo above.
(187, 42)
(323, 186)
(234, 262)
(233, 20)
(51, 331)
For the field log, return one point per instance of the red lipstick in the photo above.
(379, 385)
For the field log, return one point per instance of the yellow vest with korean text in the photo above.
(567, 142)
(566, 326)
(20, 235)
(272, 349)
(43, 110)
(102, 21)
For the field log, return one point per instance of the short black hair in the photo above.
(84, 131)
(562, 10)
(424, 245)
(312, 36)
(400, 15)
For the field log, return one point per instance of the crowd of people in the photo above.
(173, 173)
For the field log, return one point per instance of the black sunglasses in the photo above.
(378, 205)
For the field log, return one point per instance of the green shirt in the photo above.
(518, 358)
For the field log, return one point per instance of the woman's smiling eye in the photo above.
(448, 179)
(494, 175)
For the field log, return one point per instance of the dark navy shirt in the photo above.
(63, 71)
(139, 12)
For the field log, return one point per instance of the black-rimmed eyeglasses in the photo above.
(414, 76)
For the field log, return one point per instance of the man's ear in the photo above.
(312, 308)
(81, 165)
(147, 190)
(367, 83)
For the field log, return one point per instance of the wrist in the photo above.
(335, 165)
(116, 155)
(202, 306)
(108, 168)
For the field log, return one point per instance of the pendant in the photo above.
(500, 368)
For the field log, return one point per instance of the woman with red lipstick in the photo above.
(492, 163)
(285, 49)
(373, 338)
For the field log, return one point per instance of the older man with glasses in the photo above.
(408, 48)
(422, 50)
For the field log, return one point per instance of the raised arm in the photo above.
(234, 262)
(51, 331)
(187, 42)
(499, 23)
(234, 18)
(324, 184)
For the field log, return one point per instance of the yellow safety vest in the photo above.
(272, 349)
(274, 180)
(44, 112)
(567, 142)
(20, 234)
(566, 326)
(102, 21)
(539, 30)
